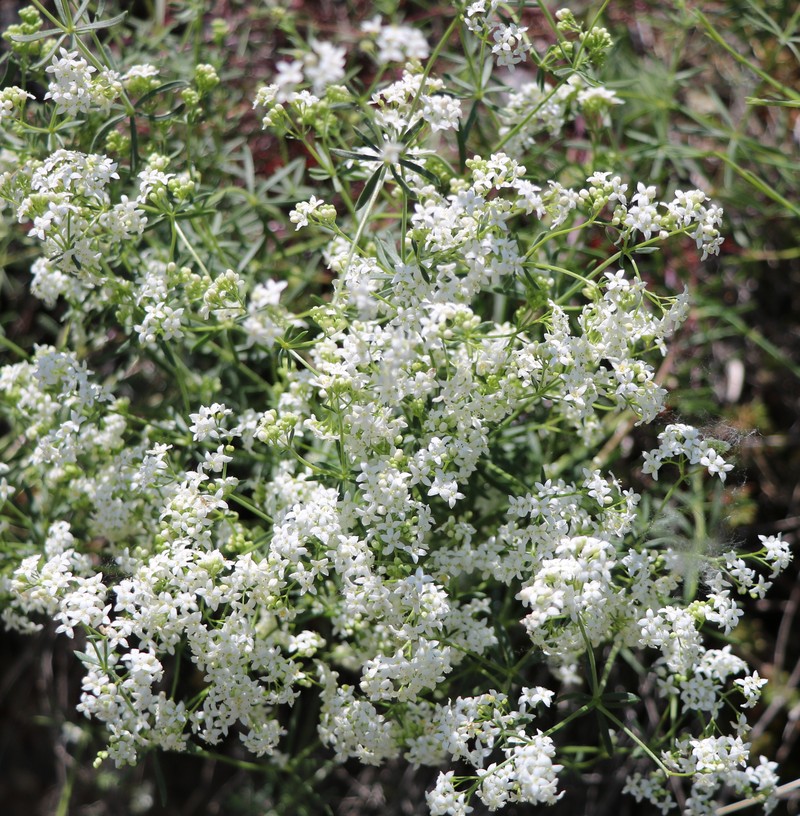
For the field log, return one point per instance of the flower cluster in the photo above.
(74, 89)
(65, 200)
(368, 460)
(509, 44)
(679, 442)
(396, 43)
(533, 108)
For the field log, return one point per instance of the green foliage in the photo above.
(392, 312)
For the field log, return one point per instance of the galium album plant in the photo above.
(338, 432)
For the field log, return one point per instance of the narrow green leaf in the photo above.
(619, 699)
(387, 254)
(167, 86)
(167, 351)
(754, 336)
(51, 52)
(163, 117)
(297, 166)
(39, 35)
(189, 214)
(251, 253)
(161, 782)
(717, 38)
(463, 134)
(134, 146)
(366, 140)
(580, 697)
(350, 154)
(424, 172)
(370, 186)
(758, 183)
(63, 11)
(97, 141)
(101, 24)
(249, 169)
(488, 70)
(605, 737)
(82, 10)
(778, 103)
(410, 194)
(412, 131)
(204, 338)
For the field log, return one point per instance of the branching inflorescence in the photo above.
(377, 478)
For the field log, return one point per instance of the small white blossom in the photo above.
(509, 46)
(751, 688)
(323, 65)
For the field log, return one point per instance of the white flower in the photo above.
(719, 753)
(206, 422)
(289, 75)
(534, 772)
(778, 552)
(74, 89)
(442, 112)
(509, 46)
(652, 463)
(217, 460)
(477, 12)
(444, 800)
(323, 65)
(300, 214)
(715, 464)
(534, 696)
(446, 488)
(400, 43)
(70, 87)
(751, 688)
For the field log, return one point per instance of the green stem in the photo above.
(248, 505)
(187, 243)
(717, 37)
(62, 809)
(637, 739)
(610, 660)
(236, 763)
(12, 346)
(595, 682)
(580, 712)
(429, 66)
(364, 218)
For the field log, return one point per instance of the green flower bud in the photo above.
(205, 77)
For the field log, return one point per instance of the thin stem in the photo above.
(595, 682)
(188, 244)
(429, 66)
(12, 346)
(364, 218)
(638, 740)
(248, 505)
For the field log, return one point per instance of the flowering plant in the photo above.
(341, 433)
